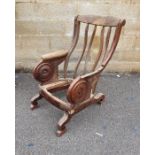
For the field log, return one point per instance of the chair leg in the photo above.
(61, 124)
(34, 103)
(99, 98)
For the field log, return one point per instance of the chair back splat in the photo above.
(110, 29)
(80, 88)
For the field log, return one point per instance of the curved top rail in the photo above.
(101, 21)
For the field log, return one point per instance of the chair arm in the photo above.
(82, 87)
(93, 78)
(47, 70)
(55, 55)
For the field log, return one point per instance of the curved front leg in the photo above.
(34, 103)
(61, 124)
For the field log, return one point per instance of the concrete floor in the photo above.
(109, 129)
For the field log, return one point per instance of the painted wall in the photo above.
(43, 26)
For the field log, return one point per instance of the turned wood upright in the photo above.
(80, 89)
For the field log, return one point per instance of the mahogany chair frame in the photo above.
(80, 88)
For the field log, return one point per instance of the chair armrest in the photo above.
(55, 55)
(82, 87)
(47, 70)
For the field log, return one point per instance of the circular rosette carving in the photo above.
(43, 72)
(78, 91)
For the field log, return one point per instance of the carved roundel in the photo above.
(78, 91)
(43, 72)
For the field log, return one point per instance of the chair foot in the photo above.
(61, 124)
(34, 106)
(34, 103)
(60, 132)
(99, 98)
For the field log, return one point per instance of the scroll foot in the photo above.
(61, 124)
(34, 103)
(99, 98)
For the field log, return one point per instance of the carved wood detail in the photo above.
(43, 72)
(78, 91)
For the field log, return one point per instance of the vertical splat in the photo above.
(108, 37)
(89, 47)
(107, 40)
(100, 49)
(83, 51)
(74, 43)
(113, 45)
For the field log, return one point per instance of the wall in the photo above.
(43, 26)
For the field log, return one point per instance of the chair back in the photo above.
(109, 29)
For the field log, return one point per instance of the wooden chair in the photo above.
(80, 89)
